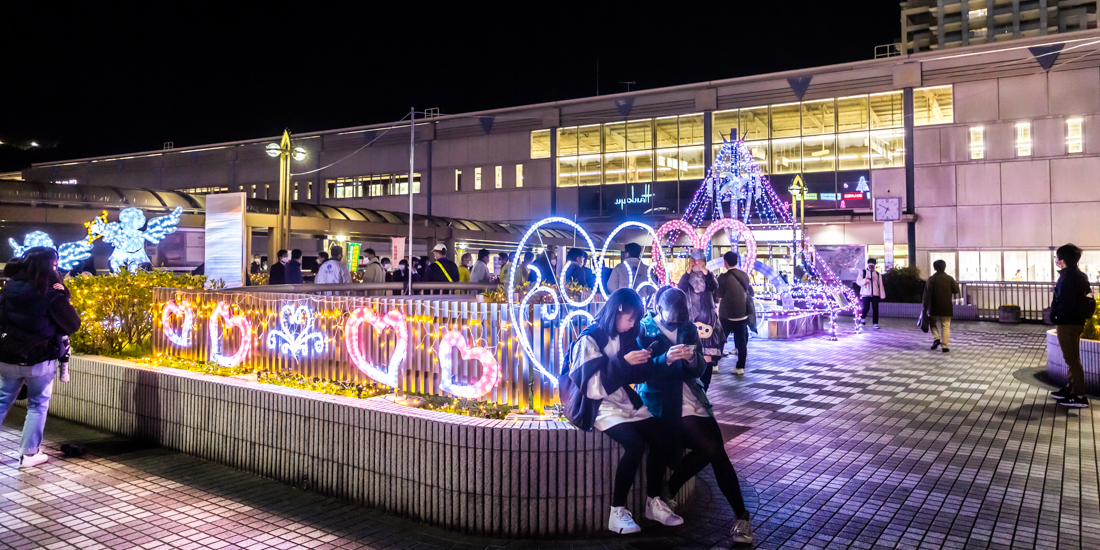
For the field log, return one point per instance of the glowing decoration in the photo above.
(353, 256)
(226, 238)
(655, 253)
(671, 229)
(240, 322)
(490, 368)
(187, 313)
(69, 255)
(394, 320)
(561, 333)
(294, 331)
(129, 239)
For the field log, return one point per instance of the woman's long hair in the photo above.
(624, 300)
(674, 303)
(40, 264)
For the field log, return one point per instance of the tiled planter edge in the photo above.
(1090, 360)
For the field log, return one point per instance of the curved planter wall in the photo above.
(1090, 359)
(487, 477)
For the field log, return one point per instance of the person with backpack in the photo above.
(35, 314)
(676, 396)
(604, 361)
(1069, 310)
(870, 290)
(736, 294)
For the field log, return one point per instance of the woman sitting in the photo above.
(604, 361)
(674, 394)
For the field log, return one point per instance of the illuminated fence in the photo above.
(305, 334)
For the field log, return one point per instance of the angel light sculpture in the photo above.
(129, 239)
(69, 255)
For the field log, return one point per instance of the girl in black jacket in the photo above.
(35, 314)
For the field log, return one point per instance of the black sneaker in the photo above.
(1075, 401)
(945, 350)
(936, 343)
(1061, 394)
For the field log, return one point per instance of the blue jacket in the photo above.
(663, 392)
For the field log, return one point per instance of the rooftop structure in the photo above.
(941, 24)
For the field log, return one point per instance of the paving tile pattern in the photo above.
(870, 442)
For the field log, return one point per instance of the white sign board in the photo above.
(225, 238)
(397, 249)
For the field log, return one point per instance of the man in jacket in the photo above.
(735, 291)
(630, 272)
(871, 290)
(1069, 311)
(480, 272)
(277, 274)
(442, 270)
(938, 308)
(373, 272)
(335, 269)
(294, 268)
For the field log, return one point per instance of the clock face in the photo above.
(888, 209)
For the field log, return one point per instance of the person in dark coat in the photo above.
(544, 264)
(1069, 311)
(938, 307)
(277, 274)
(443, 270)
(700, 286)
(293, 273)
(735, 291)
(576, 273)
(36, 308)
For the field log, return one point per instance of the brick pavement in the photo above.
(870, 442)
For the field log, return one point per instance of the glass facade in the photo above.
(636, 151)
(375, 185)
(1001, 265)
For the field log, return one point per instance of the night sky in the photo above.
(102, 78)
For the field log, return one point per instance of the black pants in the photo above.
(635, 437)
(740, 332)
(870, 302)
(703, 436)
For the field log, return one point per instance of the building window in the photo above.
(205, 190)
(540, 145)
(1073, 135)
(295, 190)
(477, 179)
(498, 177)
(376, 185)
(253, 191)
(458, 179)
(1023, 139)
(977, 142)
(933, 105)
(65, 182)
(519, 175)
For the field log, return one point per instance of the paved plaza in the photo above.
(873, 441)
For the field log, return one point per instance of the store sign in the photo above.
(645, 198)
(853, 195)
(830, 197)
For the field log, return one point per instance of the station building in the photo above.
(993, 150)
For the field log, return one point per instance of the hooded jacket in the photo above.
(48, 317)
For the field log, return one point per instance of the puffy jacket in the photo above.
(1070, 305)
(663, 392)
(50, 316)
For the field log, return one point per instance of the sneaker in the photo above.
(1061, 394)
(657, 510)
(621, 521)
(739, 370)
(945, 350)
(63, 370)
(1075, 401)
(742, 532)
(936, 343)
(29, 461)
(876, 326)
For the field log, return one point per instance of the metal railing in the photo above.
(369, 289)
(989, 296)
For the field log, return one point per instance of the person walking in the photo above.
(675, 395)
(35, 313)
(604, 361)
(1069, 311)
(700, 286)
(735, 291)
(277, 274)
(938, 308)
(293, 272)
(630, 272)
(870, 290)
(334, 270)
(442, 270)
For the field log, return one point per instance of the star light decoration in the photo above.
(294, 330)
(128, 238)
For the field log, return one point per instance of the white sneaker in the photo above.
(876, 327)
(621, 521)
(742, 531)
(657, 510)
(738, 371)
(29, 461)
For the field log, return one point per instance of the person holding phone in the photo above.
(604, 361)
(674, 394)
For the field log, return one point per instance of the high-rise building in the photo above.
(941, 24)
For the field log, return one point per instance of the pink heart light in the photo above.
(729, 225)
(240, 322)
(490, 368)
(394, 320)
(187, 313)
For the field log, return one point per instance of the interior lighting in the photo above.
(341, 238)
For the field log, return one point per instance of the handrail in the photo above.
(359, 287)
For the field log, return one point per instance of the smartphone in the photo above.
(650, 347)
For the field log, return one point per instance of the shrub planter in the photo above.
(1090, 360)
(1009, 314)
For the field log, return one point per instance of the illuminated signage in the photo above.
(853, 195)
(644, 198)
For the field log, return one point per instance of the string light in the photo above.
(655, 253)
(294, 329)
(221, 311)
(490, 368)
(394, 320)
(172, 309)
(69, 255)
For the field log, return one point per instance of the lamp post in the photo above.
(281, 239)
(798, 195)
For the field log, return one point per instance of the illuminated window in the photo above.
(969, 266)
(588, 139)
(668, 165)
(885, 110)
(567, 141)
(723, 125)
(589, 170)
(664, 129)
(818, 117)
(614, 168)
(614, 137)
(786, 121)
(691, 163)
(852, 114)
(295, 190)
(498, 177)
(458, 180)
(691, 129)
(540, 145)
(639, 135)
(253, 191)
(519, 175)
(567, 171)
(267, 191)
(639, 166)
(1023, 139)
(977, 142)
(947, 257)
(852, 151)
(1073, 135)
(786, 156)
(819, 153)
(477, 179)
(759, 152)
(309, 191)
(887, 148)
(754, 123)
(933, 106)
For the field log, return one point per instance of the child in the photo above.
(674, 395)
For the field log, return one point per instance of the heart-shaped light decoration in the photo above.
(394, 320)
(240, 322)
(730, 225)
(490, 368)
(172, 309)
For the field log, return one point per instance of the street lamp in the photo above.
(284, 153)
(798, 194)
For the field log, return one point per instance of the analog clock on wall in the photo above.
(888, 209)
